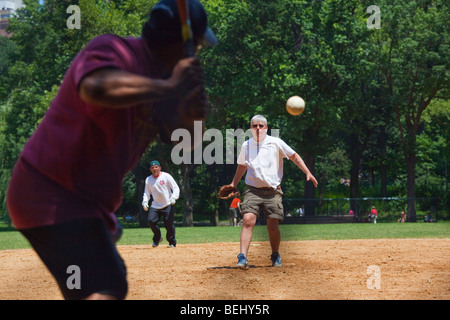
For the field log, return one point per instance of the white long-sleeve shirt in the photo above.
(162, 189)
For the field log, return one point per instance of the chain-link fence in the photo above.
(358, 209)
(340, 210)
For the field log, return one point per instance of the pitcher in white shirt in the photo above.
(262, 158)
(164, 191)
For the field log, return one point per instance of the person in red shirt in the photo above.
(234, 210)
(373, 215)
(116, 97)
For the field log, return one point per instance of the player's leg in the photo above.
(250, 210)
(275, 240)
(82, 257)
(100, 296)
(274, 213)
(274, 234)
(248, 223)
(153, 217)
(169, 224)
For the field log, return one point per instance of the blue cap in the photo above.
(154, 163)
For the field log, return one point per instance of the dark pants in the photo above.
(86, 245)
(168, 214)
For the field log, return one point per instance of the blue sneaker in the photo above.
(276, 259)
(155, 244)
(242, 261)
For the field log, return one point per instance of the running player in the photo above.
(165, 192)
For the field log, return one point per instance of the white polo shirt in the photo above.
(264, 161)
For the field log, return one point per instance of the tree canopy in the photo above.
(377, 98)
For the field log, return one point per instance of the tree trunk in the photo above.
(410, 157)
(188, 204)
(354, 183)
(214, 218)
(411, 187)
(383, 167)
(213, 186)
(355, 157)
(139, 177)
(310, 204)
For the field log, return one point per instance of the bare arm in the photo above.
(301, 164)
(240, 170)
(120, 89)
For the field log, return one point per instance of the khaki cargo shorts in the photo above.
(270, 201)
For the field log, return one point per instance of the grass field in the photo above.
(10, 240)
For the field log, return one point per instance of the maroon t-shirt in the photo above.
(73, 165)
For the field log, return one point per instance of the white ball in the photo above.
(295, 105)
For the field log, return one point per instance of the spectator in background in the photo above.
(235, 208)
(373, 215)
(402, 217)
(301, 211)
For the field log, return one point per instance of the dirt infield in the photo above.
(319, 270)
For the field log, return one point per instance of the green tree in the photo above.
(368, 92)
(433, 153)
(8, 54)
(35, 59)
(270, 51)
(413, 55)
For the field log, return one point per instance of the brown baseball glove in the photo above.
(227, 192)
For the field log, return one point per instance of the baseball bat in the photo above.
(186, 29)
(188, 39)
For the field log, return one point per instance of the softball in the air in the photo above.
(295, 105)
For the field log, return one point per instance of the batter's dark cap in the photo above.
(164, 25)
